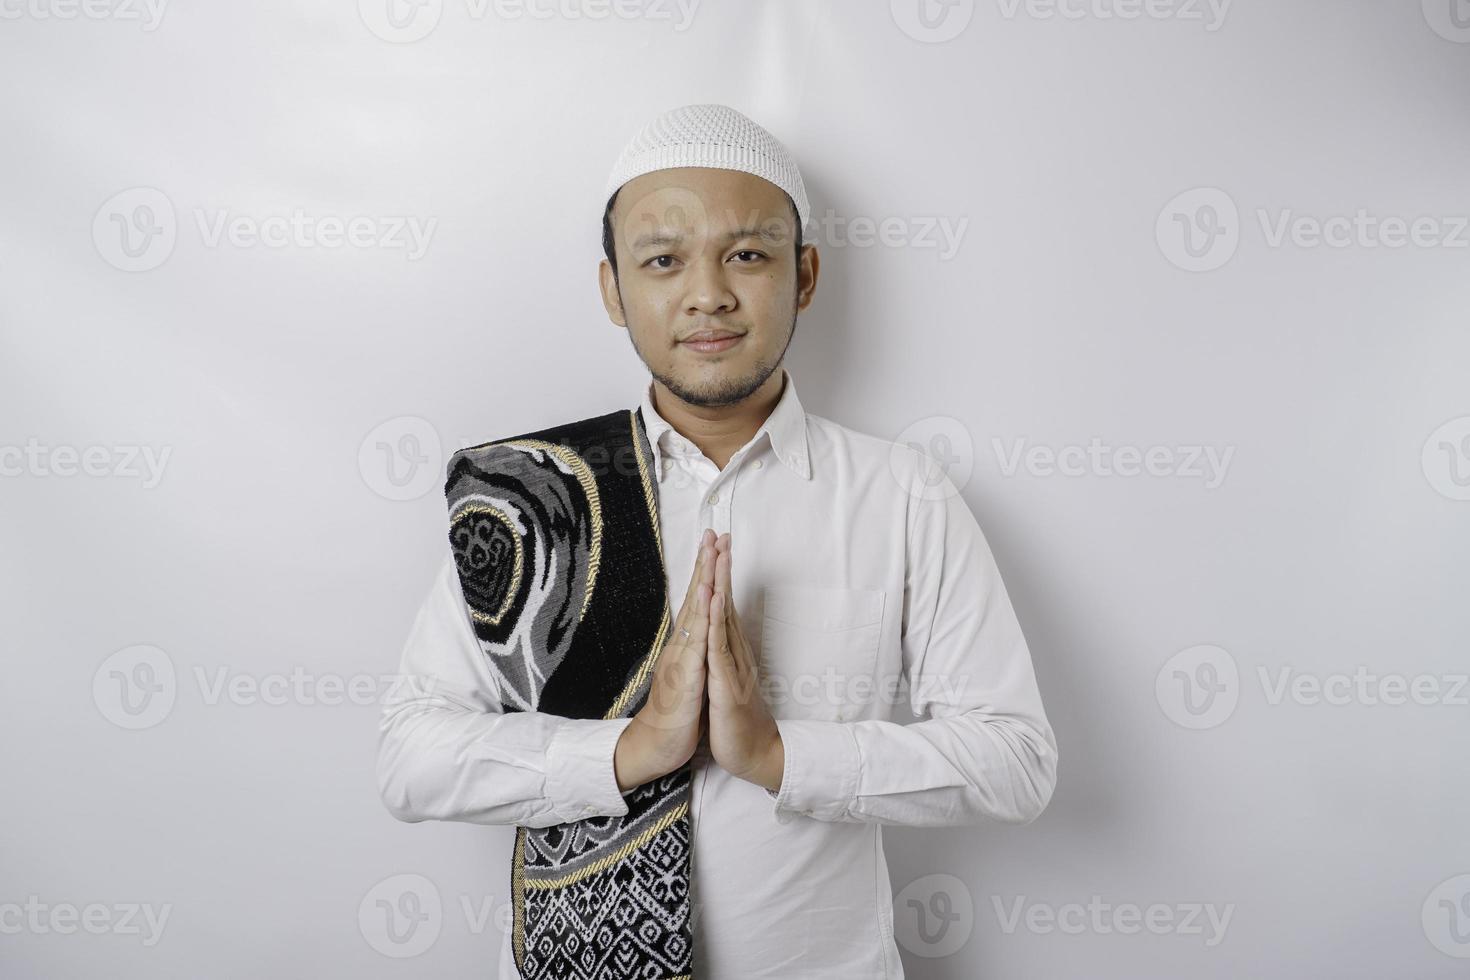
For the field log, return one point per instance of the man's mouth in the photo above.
(711, 341)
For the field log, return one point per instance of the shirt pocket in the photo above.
(819, 650)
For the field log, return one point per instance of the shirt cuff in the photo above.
(820, 778)
(581, 780)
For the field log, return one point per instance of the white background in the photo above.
(1336, 539)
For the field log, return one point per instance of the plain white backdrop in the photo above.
(1178, 289)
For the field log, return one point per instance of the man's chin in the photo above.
(714, 389)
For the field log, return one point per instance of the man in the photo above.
(823, 574)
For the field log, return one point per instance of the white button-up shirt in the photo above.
(860, 577)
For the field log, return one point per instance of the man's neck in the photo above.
(720, 431)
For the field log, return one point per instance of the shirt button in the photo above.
(757, 464)
(714, 498)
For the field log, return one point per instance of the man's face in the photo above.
(701, 250)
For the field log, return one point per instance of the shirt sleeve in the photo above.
(446, 751)
(983, 749)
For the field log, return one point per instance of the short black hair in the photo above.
(610, 251)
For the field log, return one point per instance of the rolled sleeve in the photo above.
(820, 776)
(581, 780)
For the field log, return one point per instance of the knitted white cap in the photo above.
(710, 136)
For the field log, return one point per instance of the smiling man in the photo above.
(700, 791)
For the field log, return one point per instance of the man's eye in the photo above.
(752, 253)
(659, 258)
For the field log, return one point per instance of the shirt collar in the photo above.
(785, 427)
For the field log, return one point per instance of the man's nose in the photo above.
(709, 292)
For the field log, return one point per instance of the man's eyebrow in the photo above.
(663, 236)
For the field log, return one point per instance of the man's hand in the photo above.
(743, 736)
(666, 730)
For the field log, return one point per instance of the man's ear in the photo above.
(612, 299)
(807, 270)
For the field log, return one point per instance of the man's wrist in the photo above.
(631, 766)
(774, 768)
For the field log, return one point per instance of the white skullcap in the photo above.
(709, 136)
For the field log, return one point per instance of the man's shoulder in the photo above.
(864, 447)
(582, 447)
(909, 464)
(576, 434)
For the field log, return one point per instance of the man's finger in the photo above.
(699, 563)
(719, 648)
(722, 584)
(685, 619)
